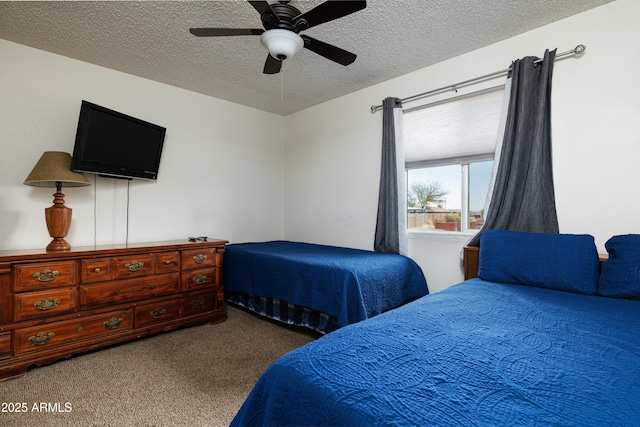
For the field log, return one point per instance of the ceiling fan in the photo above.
(282, 23)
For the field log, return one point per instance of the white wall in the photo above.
(221, 173)
(333, 149)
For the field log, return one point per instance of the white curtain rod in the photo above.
(578, 50)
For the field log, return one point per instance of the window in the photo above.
(448, 198)
(449, 148)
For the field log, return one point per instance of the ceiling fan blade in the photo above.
(328, 11)
(272, 65)
(216, 32)
(331, 52)
(264, 8)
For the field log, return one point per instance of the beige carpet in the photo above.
(196, 376)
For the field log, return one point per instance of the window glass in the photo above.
(434, 198)
(436, 194)
(479, 180)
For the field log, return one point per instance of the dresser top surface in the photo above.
(106, 250)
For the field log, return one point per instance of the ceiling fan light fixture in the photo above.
(281, 44)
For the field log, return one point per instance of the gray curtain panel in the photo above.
(387, 237)
(523, 197)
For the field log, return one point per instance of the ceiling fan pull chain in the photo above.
(282, 83)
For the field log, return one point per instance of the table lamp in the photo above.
(52, 170)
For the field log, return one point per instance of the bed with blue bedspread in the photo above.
(318, 286)
(543, 337)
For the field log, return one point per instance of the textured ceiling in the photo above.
(151, 39)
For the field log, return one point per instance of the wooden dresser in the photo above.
(55, 304)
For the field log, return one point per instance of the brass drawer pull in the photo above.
(134, 266)
(41, 338)
(197, 305)
(97, 270)
(46, 304)
(114, 323)
(156, 314)
(45, 275)
(116, 292)
(167, 262)
(200, 258)
(200, 279)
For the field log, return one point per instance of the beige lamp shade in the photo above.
(54, 167)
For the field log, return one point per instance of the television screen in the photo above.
(114, 144)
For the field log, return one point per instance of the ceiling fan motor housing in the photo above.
(284, 18)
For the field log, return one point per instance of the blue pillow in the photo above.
(565, 262)
(621, 273)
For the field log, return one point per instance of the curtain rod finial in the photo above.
(579, 49)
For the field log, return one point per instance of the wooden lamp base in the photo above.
(58, 219)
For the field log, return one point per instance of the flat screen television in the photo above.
(113, 144)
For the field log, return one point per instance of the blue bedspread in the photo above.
(476, 354)
(349, 284)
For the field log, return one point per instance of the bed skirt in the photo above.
(284, 312)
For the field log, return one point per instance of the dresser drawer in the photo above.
(95, 270)
(31, 277)
(121, 291)
(152, 314)
(133, 266)
(198, 279)
(198, 258)
(167, 262)
(44, 337)
(32, 305)
(192, 304)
